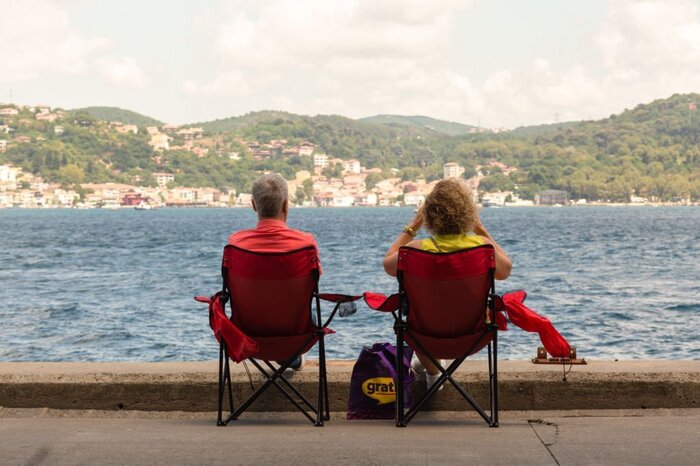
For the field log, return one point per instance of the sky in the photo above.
(493, 63)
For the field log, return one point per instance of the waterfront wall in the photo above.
(191, 386)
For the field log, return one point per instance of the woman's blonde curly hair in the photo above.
(450, 208)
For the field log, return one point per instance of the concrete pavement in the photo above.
(45, 436)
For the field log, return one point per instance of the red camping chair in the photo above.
(275, 316)
(446, 308)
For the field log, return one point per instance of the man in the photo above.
(271, 202)
(271, 234)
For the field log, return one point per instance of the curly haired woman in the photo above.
(450, 215)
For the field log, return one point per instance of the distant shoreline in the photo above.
(591, 204)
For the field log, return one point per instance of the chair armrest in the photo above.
(344, 305)
(338, 298)
(496, 302)
(380, 302)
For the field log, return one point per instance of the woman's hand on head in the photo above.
(479, 228)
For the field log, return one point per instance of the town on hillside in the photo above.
(329, 182)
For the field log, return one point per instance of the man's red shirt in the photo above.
(272, 235)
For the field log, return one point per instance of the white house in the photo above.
(244, 199)
(8, 173)
(366, 199)
(320, 160)
(452, 170)
(352, 166)
(160, 141)
(343, 200)
(163, 178)
(414, 198)
(184, 194)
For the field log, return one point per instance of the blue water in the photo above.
(97, 285)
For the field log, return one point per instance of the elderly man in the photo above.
(271, 202)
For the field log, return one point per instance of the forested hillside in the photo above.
(651, 150)
(448, 128)
(119, 114)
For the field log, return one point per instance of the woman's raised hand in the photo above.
(479, 228)
(417, 221)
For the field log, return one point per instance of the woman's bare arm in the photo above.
(391, 258)
(503, 262)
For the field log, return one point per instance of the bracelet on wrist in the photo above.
(410, 231)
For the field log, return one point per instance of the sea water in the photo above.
(103, 285)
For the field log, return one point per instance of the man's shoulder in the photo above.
(301, 233)
(282, 240)
(239, 235)
(302, 236)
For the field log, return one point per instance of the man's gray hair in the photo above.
(269, 194)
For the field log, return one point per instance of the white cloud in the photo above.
(363, 57)
(651, 34)
(228, 83)
(642, 51)
(340, 57)
(651, 49)
(36, 37)
(123, 72)
(278, 31)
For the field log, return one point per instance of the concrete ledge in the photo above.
(191, 386)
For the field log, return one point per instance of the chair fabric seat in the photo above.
(280, 348)
(449, 348)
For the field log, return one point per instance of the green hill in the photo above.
(250, 119)
(537, 130)
(448, 128)
(652, 150)
(119, 114)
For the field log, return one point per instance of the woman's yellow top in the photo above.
(449, 243)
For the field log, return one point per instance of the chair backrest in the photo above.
(447, 292)
(271, 293)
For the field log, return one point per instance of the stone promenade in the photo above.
(56, 437)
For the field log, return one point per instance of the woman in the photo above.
(450, 215)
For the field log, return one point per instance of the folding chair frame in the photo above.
(402, 331)
(275, 377)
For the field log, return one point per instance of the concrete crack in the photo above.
(549, 441)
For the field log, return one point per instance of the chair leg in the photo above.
(272, 380)
(446, 375)
(227, 379)
(219, 420)
(399, 375)
(490, 359)
(276, 377)
(327, 405)
(325, 388)
(289, 385)
(494, 392)
(321, 410)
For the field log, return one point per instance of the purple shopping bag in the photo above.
(373, 382)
